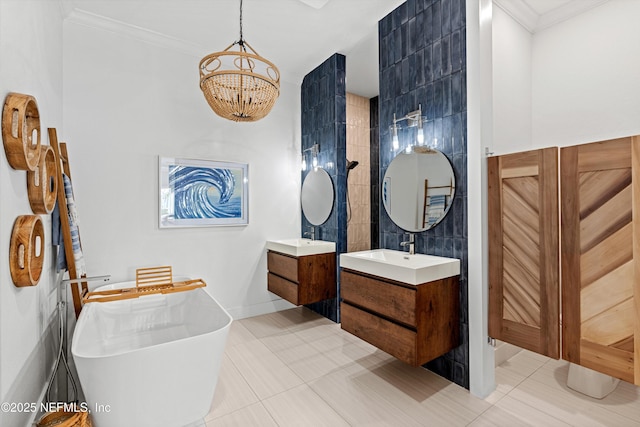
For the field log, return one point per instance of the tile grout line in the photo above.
(493, 405)
(328, 404)
(248, 385)
(310, 331)
(587, 402)
(305, 383)
(259, 402)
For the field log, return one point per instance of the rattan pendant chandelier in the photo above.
(239, 85)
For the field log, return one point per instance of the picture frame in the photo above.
(202, 193)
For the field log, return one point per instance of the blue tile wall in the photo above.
(324, 122)
(423, 61)
(374, 158)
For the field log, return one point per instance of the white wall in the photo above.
(31, 52)
(128, 101)
(479, 18)
(585, 77)
(572, 83)
(512, 90)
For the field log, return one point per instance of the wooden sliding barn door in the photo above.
(523, 250)
(600, 240)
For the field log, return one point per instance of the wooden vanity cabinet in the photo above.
(414, 323)
(304, 279)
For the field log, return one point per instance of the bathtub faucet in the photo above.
(87, 279)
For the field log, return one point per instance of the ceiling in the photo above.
(536, 15)
(296, 35)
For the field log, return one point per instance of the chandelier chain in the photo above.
(241, 42)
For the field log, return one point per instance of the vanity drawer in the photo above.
(387, 299)
(390, 337)
(285, 288)
(283, 265)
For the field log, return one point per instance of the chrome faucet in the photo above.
(411, 243)
(312, 233)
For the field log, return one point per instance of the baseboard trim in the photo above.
(259, 309)
(505, 351)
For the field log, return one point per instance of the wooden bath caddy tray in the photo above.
(128, 293)
(149, 281)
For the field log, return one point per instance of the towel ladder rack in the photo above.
(78, 286)
(426, 198)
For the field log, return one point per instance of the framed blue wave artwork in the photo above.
(202, 193)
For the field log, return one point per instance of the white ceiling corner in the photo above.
(66, 6)
(316, 4)
(566, 11)
(536, 15)
(521, 12)
(92, 20)
(313, 29)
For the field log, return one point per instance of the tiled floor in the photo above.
(296, 368)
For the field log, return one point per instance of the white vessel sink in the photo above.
(301, 247)
(400, 266)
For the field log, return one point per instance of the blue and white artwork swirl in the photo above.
(201, 192)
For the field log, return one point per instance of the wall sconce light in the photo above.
(394, 132)
(413, 119)
(315, 149)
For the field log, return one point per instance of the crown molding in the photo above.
(522, 13)
(65, 8)
(92, 20)
(566, 11)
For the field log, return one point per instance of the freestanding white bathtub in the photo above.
(151, 361)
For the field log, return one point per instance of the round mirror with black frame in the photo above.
(418, 189)
(317, 196)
